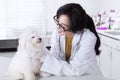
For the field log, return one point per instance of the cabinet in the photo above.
(105, 60)
(115, 67)
(109, 59)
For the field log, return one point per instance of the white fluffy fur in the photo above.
(29, 57)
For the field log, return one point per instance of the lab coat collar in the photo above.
(75, 40)
(77, 37)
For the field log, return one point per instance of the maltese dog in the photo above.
(28, 58)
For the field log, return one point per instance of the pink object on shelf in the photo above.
(101, 28)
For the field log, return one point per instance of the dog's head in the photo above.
(31, 40)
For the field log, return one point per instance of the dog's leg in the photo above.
(29, 76)
(19, 76)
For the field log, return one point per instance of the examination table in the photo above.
(4, 62)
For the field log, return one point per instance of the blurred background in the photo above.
(18, 14)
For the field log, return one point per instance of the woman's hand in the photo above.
(62, 32)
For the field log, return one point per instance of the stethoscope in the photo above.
(77, 45)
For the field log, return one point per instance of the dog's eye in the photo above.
(33, 37)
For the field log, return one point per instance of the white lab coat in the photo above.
(83, 57)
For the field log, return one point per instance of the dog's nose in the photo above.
(40, 39)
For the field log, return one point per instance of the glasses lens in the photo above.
(55, 19)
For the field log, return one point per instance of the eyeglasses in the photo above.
(60, 25)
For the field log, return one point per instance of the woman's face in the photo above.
(64, 22)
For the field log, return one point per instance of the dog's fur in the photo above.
(29, 57)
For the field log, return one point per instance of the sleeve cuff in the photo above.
(52, 65)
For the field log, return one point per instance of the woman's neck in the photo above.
(69, 34)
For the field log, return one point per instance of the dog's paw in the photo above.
(19, 77)
(15, 76)
(45, 74)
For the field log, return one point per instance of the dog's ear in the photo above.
(21, 43)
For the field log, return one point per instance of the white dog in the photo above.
(29, 57)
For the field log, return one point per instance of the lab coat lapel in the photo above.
(75, 42)
(62, 45)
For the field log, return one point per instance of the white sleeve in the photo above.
(77, 66)
(54, 43)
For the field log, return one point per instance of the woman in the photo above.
(75, 44)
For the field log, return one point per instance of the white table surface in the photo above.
(4, 62)
(103, 32)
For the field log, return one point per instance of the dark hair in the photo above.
(76, 14)
(79, 20)
(90, 25)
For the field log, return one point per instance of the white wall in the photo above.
(91, 6)
(110, 4)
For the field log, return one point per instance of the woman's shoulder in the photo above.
(87, 34)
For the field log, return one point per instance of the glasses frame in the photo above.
(60, 26)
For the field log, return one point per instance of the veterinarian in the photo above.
(75, 44)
